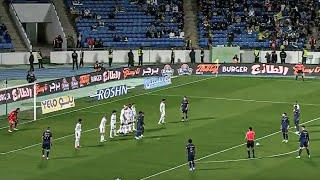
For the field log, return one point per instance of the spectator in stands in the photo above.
(130, 59)
(283, 56)
(31, 77)
(268, 57)
(256, 54)
(86, 13)
(74, 60)
(230, 38)
(192, 56)
(235, 59)
(90, 42)
(312, 43)
(40, 59)
(79, 39)
(98, 43)
(274, 57)
(31, 62)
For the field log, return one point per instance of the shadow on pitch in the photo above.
(69, 157)
(202, 118)
(162, 136)
(211, 169)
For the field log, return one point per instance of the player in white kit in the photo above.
(130, 123)
(127, 113)
(77, 132)
(102, 128)
(122, 120)
(133, 108)
(113, 121)
(162, 111)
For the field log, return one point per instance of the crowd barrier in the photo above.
(104, 76)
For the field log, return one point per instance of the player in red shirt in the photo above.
(250, 135)
(13, 119)
(299, 70)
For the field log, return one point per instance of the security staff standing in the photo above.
(74, 59)
(283, 56)
(31, 61)
(130, 59)
(192, 55)
(172, 56)
(110, 57)
(304, 55)
(39, 57)
(256, 55)
(202, 55)
(140, 55)
(81, 58)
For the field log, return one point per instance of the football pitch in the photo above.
(221, 110)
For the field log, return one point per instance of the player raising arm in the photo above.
(13, 120)
(250, 135)
(184, 108)
(284, 127)
(102, 128)
(304, 141)
(162, 111)
(191, 153)
(46, 143)
(77, 132)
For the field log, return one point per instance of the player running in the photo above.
(304, 141)
(250, 135)
(113, 121)
(46, 143)
(191, 153)
(102, 128)
(284, 127)
(77, 134)
(296, 116)
(299, 68)
(162, 111)
(13, 120)
(184, 108)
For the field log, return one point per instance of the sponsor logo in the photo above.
(111, 92)
(40, 89)
(185, 70)
(84, 80)
(130, 73)
(308, 70)
(74, 83)
(154, 82)
(269, 69)
(167, 70)
(57, 104)
(96, 78)
(207, 68)
(150, 71)
(5, 97)
(21, 93)
(65, 85)
(54, 86)
(234, 69)
(111, 75)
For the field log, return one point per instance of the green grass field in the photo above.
(221, 110)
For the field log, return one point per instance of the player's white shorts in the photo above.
(77, 135)
(113, 126)
(102, 130)
(163, 115)
(122, 121)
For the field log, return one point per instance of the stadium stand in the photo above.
(5, 39)
(128, 23)
(256, 24)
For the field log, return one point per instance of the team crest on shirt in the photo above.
(185, 70)
(167, 70)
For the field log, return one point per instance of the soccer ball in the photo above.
(257, 144)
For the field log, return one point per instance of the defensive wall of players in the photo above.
(104, 76)
(151, 56)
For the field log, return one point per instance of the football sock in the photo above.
(253, 152)
(287, 136)
(248, 153)
(190, 164)
(43, 152)
(308, 152)
(300, 150)
(47, 153)
(284, 135)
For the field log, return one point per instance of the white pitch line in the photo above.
(219, 152)
(249, 159)
(233, 99)
(109, 102)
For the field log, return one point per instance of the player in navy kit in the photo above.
(191, 152)
(284, 127)
(184, 108)
(46, 142)
(304, 141)
(296, 116)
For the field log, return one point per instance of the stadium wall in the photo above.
(16, 58)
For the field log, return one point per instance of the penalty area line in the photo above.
(219, 152)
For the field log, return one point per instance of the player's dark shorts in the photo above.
(190, 157)
(296, 122)
(46, 146)
(304, 144)
(250, 144)
(184, 110)
(284, 130)
(299, 72)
